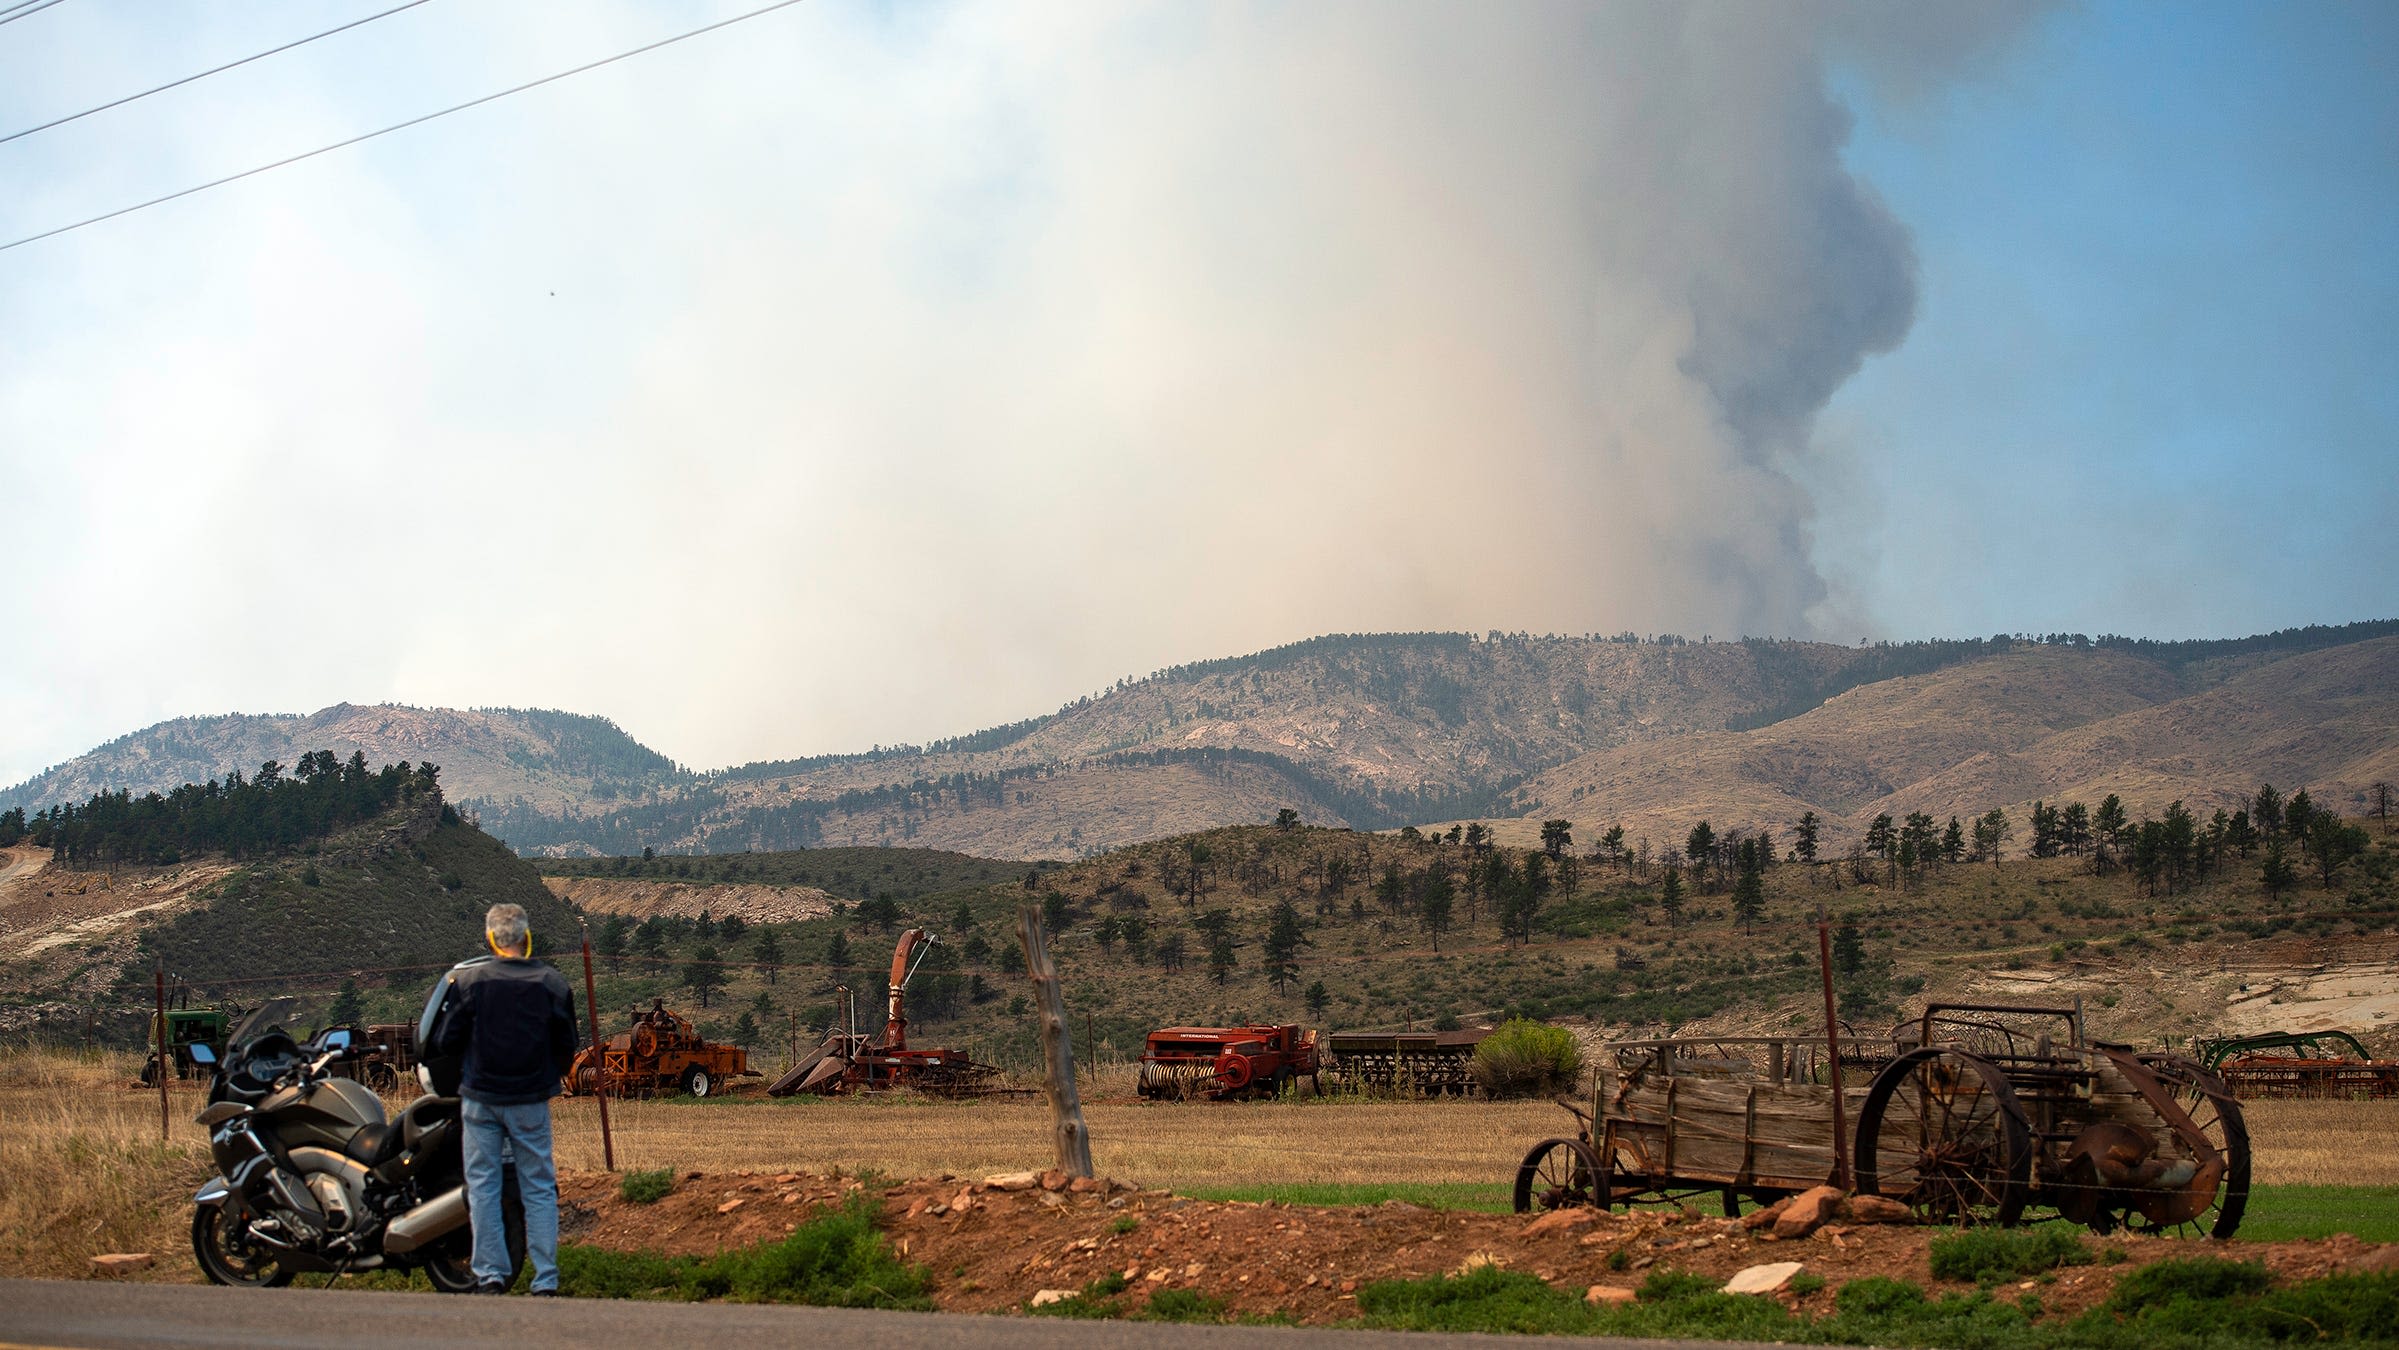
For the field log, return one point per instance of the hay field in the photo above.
(83, 1171)
(1163, 1144)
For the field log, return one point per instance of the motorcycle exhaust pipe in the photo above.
(438, 1217)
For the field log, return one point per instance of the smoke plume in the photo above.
(878, 373)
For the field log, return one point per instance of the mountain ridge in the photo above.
(1369, 731)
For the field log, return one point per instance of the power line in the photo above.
(396, 126)
(176, 84)
(26, 10)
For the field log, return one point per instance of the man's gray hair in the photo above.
(506, 924)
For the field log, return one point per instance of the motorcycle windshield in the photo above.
(270, 1015)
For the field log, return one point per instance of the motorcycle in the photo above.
(314, 1176)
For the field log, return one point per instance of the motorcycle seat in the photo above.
(374, 1145)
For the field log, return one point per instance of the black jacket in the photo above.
(512, 1024)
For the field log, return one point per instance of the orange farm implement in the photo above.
(850, 1061)
(662, 1054)
(1222, 1063)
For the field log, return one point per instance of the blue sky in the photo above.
(866, 374)
(2151, 385)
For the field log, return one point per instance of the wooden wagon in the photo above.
(1983, 1114)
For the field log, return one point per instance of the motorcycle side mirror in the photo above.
(200, 1053)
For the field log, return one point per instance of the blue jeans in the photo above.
(490, 1133)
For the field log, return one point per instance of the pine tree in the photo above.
(1670, 895)
(1436, 907)
(1849, 948)
(349, 1008)
(1803, 846)
(1220, 957)
(768, 952)
(1556, 836)
(1953, 842)
(703, 976)
(1749, 892)
(1284, 938)
(611, 942)
(1318, 1000)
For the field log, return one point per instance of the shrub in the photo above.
(1523, 1059)
(1989, 1255)
(646, 1188)
(1183, 1305)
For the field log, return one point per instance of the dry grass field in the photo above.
(82, 1169)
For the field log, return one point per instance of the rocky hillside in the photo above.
(407, 888)
(550, 759)
(2041, 723)
(1373, 732)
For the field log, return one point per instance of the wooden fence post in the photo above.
(159, 1016)
(599, 1054)
(1058, 1051)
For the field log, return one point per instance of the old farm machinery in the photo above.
(2318, 1064)
(1430, 1063)
(850, 1061)
(660, 1054)
(1222, 1063)
(1992, 1114)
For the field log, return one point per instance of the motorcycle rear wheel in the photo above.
(223, 1265)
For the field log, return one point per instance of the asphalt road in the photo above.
(92, 1313)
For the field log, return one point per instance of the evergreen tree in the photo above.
(745, 1029)
(1670, 895)
(2332, 842)
(2265, 809)
(704, 927)
(1556, 836)
(730, 928)
(349, 1008)
(2299, 815)
(611, 943)
(1803, 846)
(1106, 933)
(1749, 891)
(1318, 1000)
(702, 975)
(2276, 873)
(1284, 938)
(1700, 846)
(1953, 842)
(2108, 826)
(1849, 948)
(1437, 905)
(1612, 844)
(1220, 957)
(649, 940)
(1170, 950)
(768, 952)
(837, 952)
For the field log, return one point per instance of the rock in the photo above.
(1766, 1279)
(1083, 1185)
(1053, 1180)
(730, 1205)
(2381, 1258)
(1608, 1296)
(963, 1201)
(1763, 1218)
(1045, 1297)
(919, 1206)
(1562, 1221)
(1013, 1181)
(1053, 1199)
(122, 1263)
(1874, 1209)
(1807, 1212)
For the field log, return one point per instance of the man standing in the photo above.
(510, 1021)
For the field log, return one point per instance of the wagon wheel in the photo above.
(2210, 1105)
(1943, 1133)
(1559, 1173)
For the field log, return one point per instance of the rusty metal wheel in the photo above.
(1943, 1134)
(1558, 1173)
(2210, 1105)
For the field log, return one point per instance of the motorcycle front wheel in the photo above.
(227, 1257)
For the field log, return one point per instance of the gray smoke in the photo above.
(877, 373)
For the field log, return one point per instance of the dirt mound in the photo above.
(52, 914)
(991, 1249)
(682, 900)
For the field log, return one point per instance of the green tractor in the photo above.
(186, 1028)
